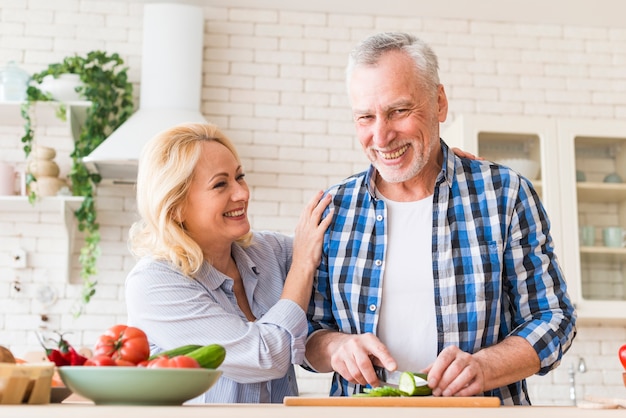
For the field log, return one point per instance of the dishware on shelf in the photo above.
(138, 385)
(613, 178)
(13, 83)
(8, 177)
(63, 87)
(587, 235)
(524, 166)
(614, 236)
(580, 176)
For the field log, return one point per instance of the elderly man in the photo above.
(432, 262)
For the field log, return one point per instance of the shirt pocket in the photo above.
(478, 271)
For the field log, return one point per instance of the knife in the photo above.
(389, 378)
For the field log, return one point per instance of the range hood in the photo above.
(171, 88)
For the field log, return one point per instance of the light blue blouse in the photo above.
(175, 310)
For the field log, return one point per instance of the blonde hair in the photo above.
(166, 168)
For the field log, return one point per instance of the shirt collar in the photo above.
(447, 168)
(370, 181)
(213, 279)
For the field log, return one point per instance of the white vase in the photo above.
(62, 88)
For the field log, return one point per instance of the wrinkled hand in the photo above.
(309, 234)
(354, 357)
(455, 373)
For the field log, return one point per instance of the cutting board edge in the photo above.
(451, 402)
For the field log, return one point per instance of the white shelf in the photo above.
(601, 192)
(43, 204)
(45, 113)
(63, 205)
(603, 254)
(64, 208)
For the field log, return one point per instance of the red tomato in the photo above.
(125, 343)
(174, 362)
(622, 355)
(125, 363)
(100, 360)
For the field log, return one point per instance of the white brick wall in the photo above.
(273, 79)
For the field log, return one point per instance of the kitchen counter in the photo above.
(77, 410)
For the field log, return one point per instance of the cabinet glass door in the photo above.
(526, 144)
(601, 194)
(593, 169)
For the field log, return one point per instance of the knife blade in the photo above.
(392, 379)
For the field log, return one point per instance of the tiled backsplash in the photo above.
(274, 81)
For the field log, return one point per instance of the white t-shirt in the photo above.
(407, 323)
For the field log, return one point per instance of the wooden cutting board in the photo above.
(420, 401)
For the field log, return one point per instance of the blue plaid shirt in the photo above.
(495, 272)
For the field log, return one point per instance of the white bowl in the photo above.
(62, 88)
(525, 167)
(114, 385)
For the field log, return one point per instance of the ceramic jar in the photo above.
(8, 176)
(45, 171)
(13, 83)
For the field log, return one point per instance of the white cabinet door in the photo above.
(591, 150)
(498, 138)
(581, 163)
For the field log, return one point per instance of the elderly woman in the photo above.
(203, 277)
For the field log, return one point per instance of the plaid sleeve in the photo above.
(544, 315)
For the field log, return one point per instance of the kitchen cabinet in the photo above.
(575, 156)
(594, 149)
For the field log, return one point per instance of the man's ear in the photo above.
(442, 102)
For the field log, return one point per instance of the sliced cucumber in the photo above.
(406, 383)
(379, 392)
(414, 384)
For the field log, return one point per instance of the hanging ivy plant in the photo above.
(106, 86)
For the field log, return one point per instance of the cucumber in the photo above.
(178, 351)
(209, 356)
(422, 390)
(379, 392)
(408, 383)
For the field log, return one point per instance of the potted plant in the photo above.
(105, 85)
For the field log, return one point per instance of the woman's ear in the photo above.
(178, 215)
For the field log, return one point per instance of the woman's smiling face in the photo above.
(215, 210)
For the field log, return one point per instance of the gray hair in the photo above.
(369, 51)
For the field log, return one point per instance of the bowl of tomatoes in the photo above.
(122, 371)
(125, 385)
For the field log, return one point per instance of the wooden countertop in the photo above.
(78, 410)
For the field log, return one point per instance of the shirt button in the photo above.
(372, 307)
(379, 218)
(378, 263)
